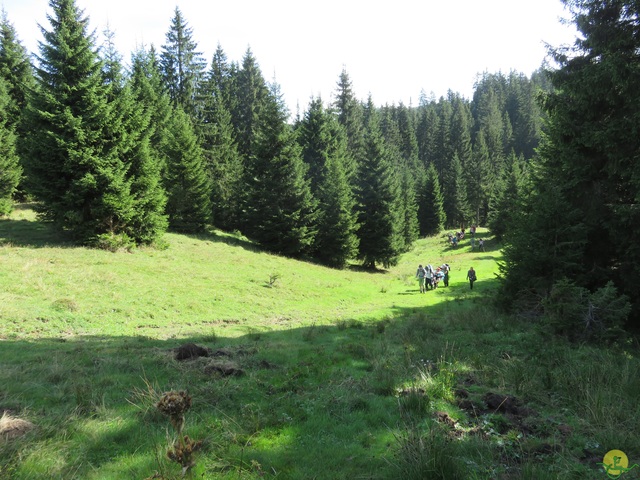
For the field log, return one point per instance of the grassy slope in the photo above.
(344, 371)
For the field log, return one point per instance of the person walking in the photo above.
(471, 276)
(445, 279)
(421, 274)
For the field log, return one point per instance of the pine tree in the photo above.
(479, 179)
(251, 93)
(507, 200)
(281, 212)
(431, 215)
(222, 158)
(140, 106)
(10, 170)
(16, 70)
(588, 187)
(324, 147)
(378, 196)
(182, 66)
(187, 183)
(350, 116)
(456, 204)
(73, 162)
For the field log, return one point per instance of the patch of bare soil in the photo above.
(189, 351)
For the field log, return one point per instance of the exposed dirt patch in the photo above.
(190, 351)
(224, 367)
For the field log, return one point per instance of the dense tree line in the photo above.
(115, 155)
(571, 234)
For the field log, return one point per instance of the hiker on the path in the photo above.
(421, 275)
(471, 276)
(445, 268)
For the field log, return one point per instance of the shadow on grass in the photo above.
(307, 394)
(27, 233)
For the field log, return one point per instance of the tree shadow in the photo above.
(307, 394)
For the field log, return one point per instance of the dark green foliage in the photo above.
(380, 213)
(480, 180)
(139, 106)
(431, 213)
(187, 182)
(222, 158)
(590, 160)
(456, 205)
(10, 170)
(506, 200)
(350, 116)
(573, 311)
(181, 64)
(251, 95)
(16, 70)
(281, 211)
(324, 147)
(73, 151)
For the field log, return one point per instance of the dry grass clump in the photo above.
(13, 427)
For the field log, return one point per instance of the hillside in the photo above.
(293, 370)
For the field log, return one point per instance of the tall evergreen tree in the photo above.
(507, 200)
(324, 146)
(480, 180)
(73, 166)
(251, 94)
(378, 195)
(10, 170)
(350, 116)
(589, 163)
(187, 182)
(182, 66)
(431, 214)
(456, 204)
(16, 70)
(222, 158)
(281, 211)
(140, 103)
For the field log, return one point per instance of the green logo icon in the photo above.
(615, 463)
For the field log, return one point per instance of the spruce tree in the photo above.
(380, 212)
(431, 215)
(350, 116)
(281, 211)
(251, 92)
(222, 158)
(10, 170)
(456, 205)
(139, 103)
(324, 147)
(73, 163)
(507, 200)
(182, 66)
(16, 70)
(588, 186)
(186, 182)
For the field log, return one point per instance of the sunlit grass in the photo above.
(344, 373)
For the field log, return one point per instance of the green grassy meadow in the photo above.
(311, 373)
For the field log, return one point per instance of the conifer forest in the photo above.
(114, 152)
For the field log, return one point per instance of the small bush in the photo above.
(573, 311)
(114, 242)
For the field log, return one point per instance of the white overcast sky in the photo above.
(392, 50)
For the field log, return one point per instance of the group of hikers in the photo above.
(428, 278)
(456, 238)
